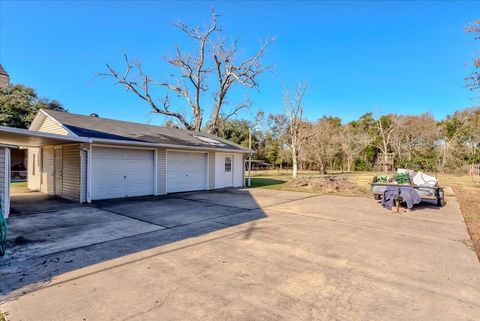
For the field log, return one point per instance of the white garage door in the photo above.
(119, 172)
(186, 171)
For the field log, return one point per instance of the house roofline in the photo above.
(9, 146)
(37, 122)
(146, 144)
(20, 137)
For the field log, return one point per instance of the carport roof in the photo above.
(33, 138)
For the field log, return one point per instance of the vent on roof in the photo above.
(94, 115)
(209, 141)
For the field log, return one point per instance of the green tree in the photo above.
(474, 77)
(19, 105)
(236, 131)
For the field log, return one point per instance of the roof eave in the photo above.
(32, 138)
(173, 146)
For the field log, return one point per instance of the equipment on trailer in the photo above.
(426, 185)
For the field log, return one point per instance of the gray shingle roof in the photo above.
(97, 127)
(3, 72)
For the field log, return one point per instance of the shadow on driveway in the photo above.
(49, 236)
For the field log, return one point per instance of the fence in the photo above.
(474, 172)
(385, 162)
(18, 176)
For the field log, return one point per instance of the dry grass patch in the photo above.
(468, 196)
(331, 184)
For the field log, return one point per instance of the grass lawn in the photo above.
(270, 182)
(18, 184)
(276, 179)
(18, 187)
(466, 190)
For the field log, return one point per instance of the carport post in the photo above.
(7, 178)
(89, 174)
(249, 157)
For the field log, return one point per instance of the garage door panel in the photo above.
(138, 178)
(186, 171)
(121, 172)
(108, 166)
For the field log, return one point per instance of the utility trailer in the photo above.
(426, 192)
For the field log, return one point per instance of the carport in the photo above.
(16, 137)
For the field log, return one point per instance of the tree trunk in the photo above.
(198, 122)
(349, 164)
(294, 161)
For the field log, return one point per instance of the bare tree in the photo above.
(455, 129)
(320, 143)
(474, 77)
(213, 58)
(385, 126)
(277, 131)
(353, 141)
(460, 138)
(293, 103)
(417, 134)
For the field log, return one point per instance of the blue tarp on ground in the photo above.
(407, 193)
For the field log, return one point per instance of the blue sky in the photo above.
(405, 57)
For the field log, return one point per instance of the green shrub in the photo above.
(361, 165)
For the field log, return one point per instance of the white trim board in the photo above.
(6, 201)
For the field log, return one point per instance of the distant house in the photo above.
(258, 164)
(87, 158)
(4, 77)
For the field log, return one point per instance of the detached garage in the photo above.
(186, 171)
(120, 172)
(88, 158)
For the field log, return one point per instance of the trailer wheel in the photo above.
(377, 197)
(441, 202)
(441, 198)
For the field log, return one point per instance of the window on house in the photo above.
(228, 164)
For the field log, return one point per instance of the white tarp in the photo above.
(419, 178)
(424, 180)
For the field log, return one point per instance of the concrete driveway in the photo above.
(252, 254)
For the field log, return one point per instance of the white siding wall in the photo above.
(41, 170)
(33, 169)
(238, 175)
(211, 170)
(83, 176)
(161, 171)
(219, 170)
(236, 167)
(71, 172)
(4, 180)
(47, 180)
(50, 126)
